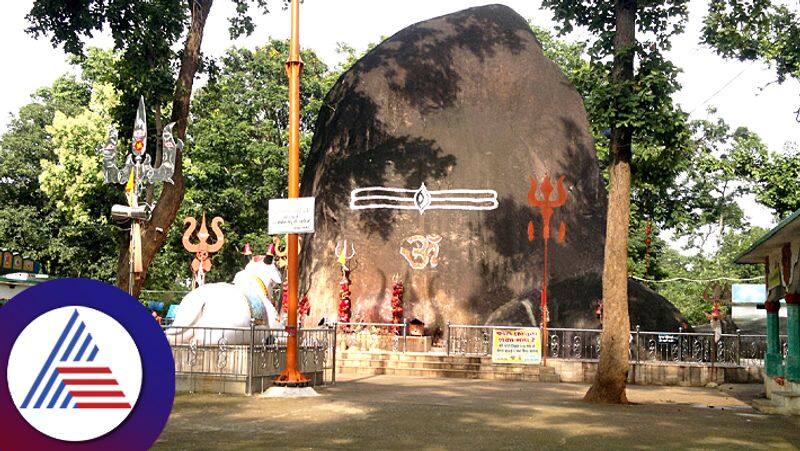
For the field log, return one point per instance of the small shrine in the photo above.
(779, 252)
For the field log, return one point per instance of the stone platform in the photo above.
(364, 341)
(371, 363)
(430, 365)
(683, 374)
(782, 398)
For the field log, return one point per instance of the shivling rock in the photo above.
(423, 157)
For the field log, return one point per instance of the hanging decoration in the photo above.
(343, 257)
(397, 303)
(345, 307)
(285, 298)
(303, 306)
(247, 252)
(714, 294)
(303, 309)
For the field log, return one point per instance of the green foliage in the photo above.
(242, 23)
(661, 160)
(74, 180)
(55, 207)
(733, 162)
(688, 296)
(643, 103)
(755, 30)
(662, 147)
(26, 142)
(658, 20)
(238, 158)
(717, 177)
(145, 35)
(685, 176)
(63, 226)
(775, 179)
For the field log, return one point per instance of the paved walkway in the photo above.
(382, 412)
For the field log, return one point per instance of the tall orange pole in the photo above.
(294, 66)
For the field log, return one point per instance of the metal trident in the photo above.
(546, 204)
(138, 160)
(137, 172)
(342, 255)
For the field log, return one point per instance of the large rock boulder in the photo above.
(423, 158)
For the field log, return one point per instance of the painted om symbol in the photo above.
(424, 251)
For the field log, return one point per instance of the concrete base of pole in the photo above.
(289, 392)
(291, 378)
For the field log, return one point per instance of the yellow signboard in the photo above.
(517, 346)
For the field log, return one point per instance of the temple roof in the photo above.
(786, 231)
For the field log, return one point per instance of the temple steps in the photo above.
(359, 363)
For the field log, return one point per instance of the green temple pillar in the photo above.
(793, 332)
(774, 359)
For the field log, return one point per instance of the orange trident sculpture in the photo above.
(202, 250)
(546, 204)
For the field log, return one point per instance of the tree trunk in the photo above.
(612, 372)
(154, 233)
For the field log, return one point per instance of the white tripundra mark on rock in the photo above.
(422, 199)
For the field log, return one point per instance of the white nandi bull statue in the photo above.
(207, 310)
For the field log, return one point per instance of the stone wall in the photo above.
(661, 373)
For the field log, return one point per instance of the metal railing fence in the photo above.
(574, 343)
(645, 346)
(208, 356)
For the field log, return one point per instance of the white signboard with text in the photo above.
(291, 216)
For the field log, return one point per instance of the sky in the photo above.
(742, 92)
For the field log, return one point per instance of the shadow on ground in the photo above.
(383, 412)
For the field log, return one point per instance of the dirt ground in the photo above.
(386, 412)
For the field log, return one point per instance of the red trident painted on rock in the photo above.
(546, 204)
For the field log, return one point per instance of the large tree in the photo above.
(52, 204)
(635, 102)
(767, 31)
(144, 33)
(25, 225)
(238, 162)
(660, 200)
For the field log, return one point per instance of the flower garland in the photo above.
(285, 299)
(303, 307)
(345, 306)
(397, 303)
